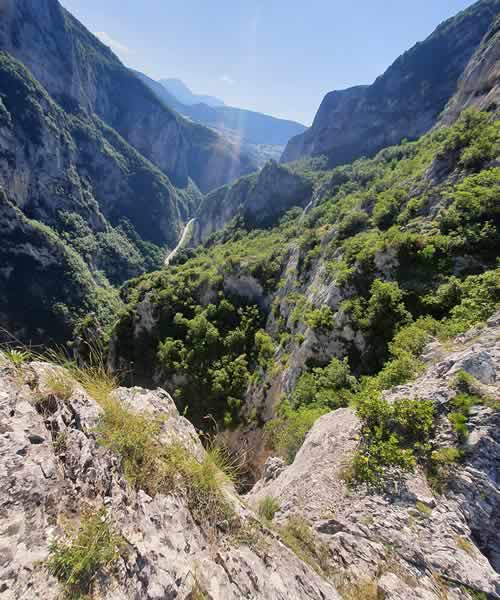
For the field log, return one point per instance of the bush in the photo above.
(76, 562)
(354, 222)
(268, 507)
(264, 347)
(331, 387)
(320, 319)
(394, 435)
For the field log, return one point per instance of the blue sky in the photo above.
(274, 56)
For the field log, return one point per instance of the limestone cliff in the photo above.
(258, 199)
(54, 473)
(479, 86)
(404, 102)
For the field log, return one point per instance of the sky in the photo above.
(279, 57)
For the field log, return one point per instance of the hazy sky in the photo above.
(275, 56)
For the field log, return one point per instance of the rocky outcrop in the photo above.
(81, 73)
(410, 541)
(260, 200)
(479, 86)
(404, 102)
(52, 469)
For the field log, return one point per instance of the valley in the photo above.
(228, 373)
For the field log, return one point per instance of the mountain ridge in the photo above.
(404, 102)
(181, 91)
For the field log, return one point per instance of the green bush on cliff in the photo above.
(394, 435)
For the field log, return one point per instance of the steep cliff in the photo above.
(258, 199)
(81, 73)
(479, 86)
(73, 176)
(404, 102)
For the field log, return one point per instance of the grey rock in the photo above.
(388, 535)
(168, 555)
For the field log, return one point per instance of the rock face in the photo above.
(479, 86)
(45, 483)
(404, 102)
(259, 200)
(410, 541)
(80, 72)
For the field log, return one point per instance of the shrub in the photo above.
(268, 507)
(394, 435)
(264, 347)
(77, 561)
(446, 456)
(354, 222)
(331, 387)
(320, 319)
(462, 403)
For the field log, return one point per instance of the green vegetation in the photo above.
(60, 384)
(423, 509)
(394, 435)
(268, 507)
(330, 387)
(287, 432)
(406, 273)
(298, 535)
(92, 549)
(15, 356)
(154, 467)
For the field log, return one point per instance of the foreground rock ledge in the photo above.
(414, 543)
(169, 555)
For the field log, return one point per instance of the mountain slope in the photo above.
(86, 196)
(404, 102)
(246, 126)
(81, 73)
(258, 200)
(180, 90)
(233, 326)
(479, 86)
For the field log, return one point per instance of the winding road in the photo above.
(180, 243)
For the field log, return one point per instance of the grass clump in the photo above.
(92, 549)
(159, 468)
(298, 535)
(268, 507)
(16, 357)
(459, 416)
(60, 384)
(464, 544)
(423, 509)
(358, 590)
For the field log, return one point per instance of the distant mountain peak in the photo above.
(181, 91)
